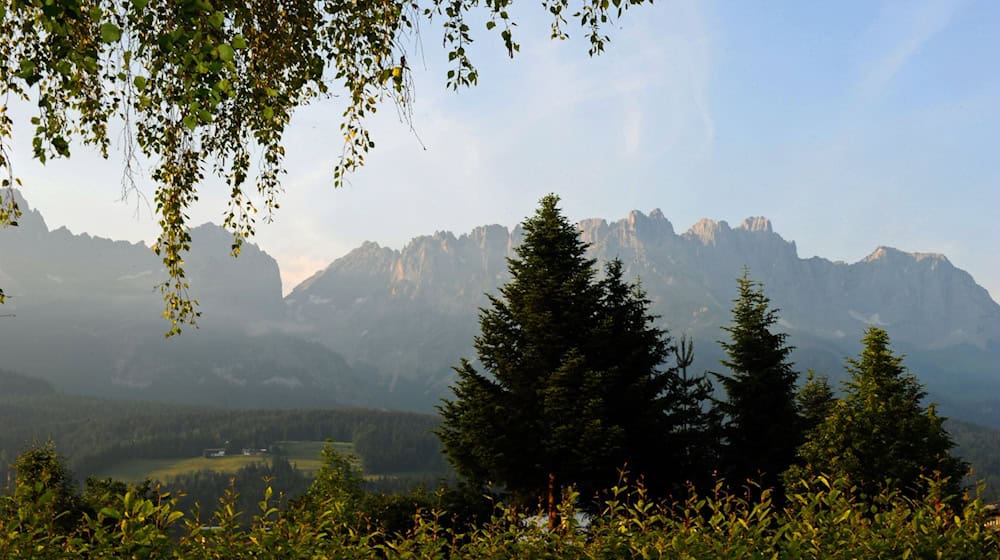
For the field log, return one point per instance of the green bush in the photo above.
(823, 519)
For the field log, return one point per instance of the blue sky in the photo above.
(849, 124)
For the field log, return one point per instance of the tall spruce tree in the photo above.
(762, 428)
(880, 433)
(576, 385)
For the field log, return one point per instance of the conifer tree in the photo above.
(815, 400)
(575, 385)
(697, 428)
(880, 432)
(762, 429)
(667, 434)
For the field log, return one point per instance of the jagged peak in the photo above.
(883, 252)
(707, 229)
(653, 222)
(487, 230)
(444, 235)
(591, 223)
(757, 223)
(30, 217)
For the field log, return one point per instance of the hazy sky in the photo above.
(849, 124)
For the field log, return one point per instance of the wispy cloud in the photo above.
(911, 25)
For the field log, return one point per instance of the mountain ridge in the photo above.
(926, 303)
(381, 319)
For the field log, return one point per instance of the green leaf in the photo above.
(110, 32)
(61, 146)
(490, 24)
(216, 20)
(140, 4)
(190, 121)
(140, 82)
(27, 70)
(239, 42)
(226, 52)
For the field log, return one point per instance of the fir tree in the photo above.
(815, 400)
(762, 427)
(880, 433)
(575, 387)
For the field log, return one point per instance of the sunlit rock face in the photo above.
(408, 312)
(413, 312)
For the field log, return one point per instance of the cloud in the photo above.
(918, 26)
(632, 130)
(295, 269)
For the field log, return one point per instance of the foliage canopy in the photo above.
(209, 86)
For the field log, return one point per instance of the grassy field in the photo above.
(305, 455)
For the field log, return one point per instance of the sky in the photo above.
(849, 124)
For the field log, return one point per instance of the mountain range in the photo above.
(382, 327)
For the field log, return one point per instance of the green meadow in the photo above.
(304, 455)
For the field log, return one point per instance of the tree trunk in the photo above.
(553, 503)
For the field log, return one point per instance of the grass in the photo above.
(304, 455)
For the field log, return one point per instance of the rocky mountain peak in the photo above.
(757, 223)
(30, 219)
(708, 231)
(654, 224)
(890, 255)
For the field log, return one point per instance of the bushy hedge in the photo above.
(824, 519)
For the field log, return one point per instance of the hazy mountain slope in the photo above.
(412, 312)
(88, 320)
(408, 313)
(13, 384)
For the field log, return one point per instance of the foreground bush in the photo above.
(823, 519)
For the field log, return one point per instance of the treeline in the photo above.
(204, 489)
(95, 434)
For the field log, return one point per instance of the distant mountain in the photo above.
(412, 313)
(88, 320)
(16, 385)
(383, 327)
